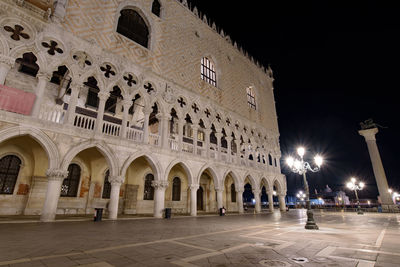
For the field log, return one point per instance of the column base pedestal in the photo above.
(311, 225)
(390, 208)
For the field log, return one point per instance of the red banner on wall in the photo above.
(16, 100)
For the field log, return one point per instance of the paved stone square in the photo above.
(344, 239)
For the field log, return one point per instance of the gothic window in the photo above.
(148, 188)
(269, 159)
(208, 72)
(176, 189)
(111, 102)
(107, 185)
(156, 8)
(9, 169)
(27, 64)
(92, 99)
(132, 108)
(132, 26)
(70, 184)
(275, 163)
(251, 98)
(233, 193)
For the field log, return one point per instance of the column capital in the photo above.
(369, 134)
(7, 61)
(56, 174)
(256, 191)
(162, 117)
(147, 111)
(103, 96)
(218, 135)
(194, 186)
(157, 184)
(116, 180)
(239, 190)
(41, 75)
(126, 103)
(207, 131)
(218, 189)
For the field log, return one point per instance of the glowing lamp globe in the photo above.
(301, 151)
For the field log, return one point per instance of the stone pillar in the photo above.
(103, 96)
(73, 100)
(116, 182)
(159, 197)
(220, 202)
(258, 200)
(164, 133)
(193, 199)
(239, 199)
(218, 152)
(207, 133)
(379, 171)
(181, 123)
(237, 141)
(282, 202)
(40, 88)
(55, 179)
(195, 129)
(229, 148)
(5, 66)
(271, 201)
(126, 104)
(146, 112)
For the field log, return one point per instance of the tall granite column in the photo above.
(379, 172)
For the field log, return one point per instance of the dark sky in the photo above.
(335, 63)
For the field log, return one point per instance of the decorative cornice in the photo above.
(157, 184)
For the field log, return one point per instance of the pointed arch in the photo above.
(234, 176)
(103, 148)
(149, 158)
(252, 180)
(184, 166)
(42, 138)
(213, 173)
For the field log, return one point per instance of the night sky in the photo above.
(336, 64)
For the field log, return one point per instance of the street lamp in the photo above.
(301, 167)
(352, 185)
(301, 196)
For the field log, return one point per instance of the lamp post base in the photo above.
(311, 225)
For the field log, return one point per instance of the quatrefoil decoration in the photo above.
(17, 32)
(82, 58)
(149, 87)
(53, 47)
(130, 80)
(107, 71)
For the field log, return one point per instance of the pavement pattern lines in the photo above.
(248, 240)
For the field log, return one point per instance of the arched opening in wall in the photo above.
(173, 123)
(275, 194)
(200, 199)
(87, 185)
(213, 138)
(62, 80)
(27, 64)
(264, 197)
(188, 140)
(177, 193)
(209, 194)
(92, 98)
(242, 147)
(201, 137)
(111, 103)
(224, 143)
(234, 149)
(270, 159)
(23, 181)
(156, 8)
(139, 190)
(132, 25)
(230, 194)
(136, 119)
(248, 196)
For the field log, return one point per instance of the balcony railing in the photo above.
(134, 135)
(84, 122)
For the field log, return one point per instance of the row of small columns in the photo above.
(56, 177)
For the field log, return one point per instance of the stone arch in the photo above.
(104, 149)
(17, 52)
(213, 173)
(47, 144)
(233, 175)
(150, 159)
(184, 166)
(252, 180)
(264, 182)
(96, 75)
(280, 187)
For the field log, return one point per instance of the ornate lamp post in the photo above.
(352, 185)
(301, 196)
(301, 167)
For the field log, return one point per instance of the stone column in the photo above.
(282, 202)
(258, 200)
(146, 112)
(116, 182)
(239, 199)
(181, 123)
(126, 104)
(40, 88)
(159, 197)
(379, 171)
(164, 133)
(207, 133)
(271, 201)
(218, 152)
(5, 65)
(195, 129)
(237, 141)
(55, 179)
(229, 148)
(193, 199)
(73, 100)
(220, 202)
(103, 96)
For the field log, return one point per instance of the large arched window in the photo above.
(176, 189)
(133, 26)
(251, 98)
(148, 188)
(107, 185)
(233, 193)
(70, 184)
(9, 169)
(208, 72)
